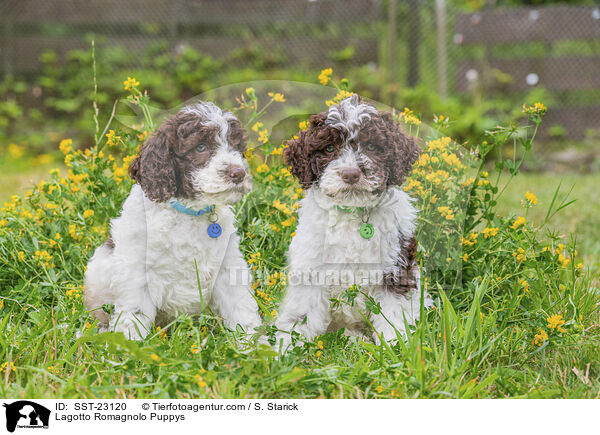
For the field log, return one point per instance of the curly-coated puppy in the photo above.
(174, 248)
(354, 249)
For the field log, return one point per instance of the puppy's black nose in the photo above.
(350, 175)
(236, 174)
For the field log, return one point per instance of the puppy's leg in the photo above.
(134, 311)
(232, 292)
(97, 288)
(304, 310)
(396, 308)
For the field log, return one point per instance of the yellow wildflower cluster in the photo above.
(112, 138)
(490, 232)
(409, 117)
(130, 83)
(200, 381)
(537, 109)
(7, 366)
(530, 199)
(262, 168)
(446, 212)
(524, 284)
(277, 96)
(263, 136)
(518, 223)
(73, 292)
(555, 322)
(303, 125)
(14, 150)
(520, 255)
(470, 240)
(540, 338)
(254, 259)
(75, 233)
(65, 146)
(325, 76)
(341, 95)
(44, 258)
(194, 349)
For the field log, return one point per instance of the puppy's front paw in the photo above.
(131, 325)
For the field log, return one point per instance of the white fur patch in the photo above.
(348, 115)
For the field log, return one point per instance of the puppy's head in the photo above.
(352, 153)
(196, 154)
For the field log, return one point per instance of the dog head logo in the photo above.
(26, 414)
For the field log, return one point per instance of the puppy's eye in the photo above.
(371, 147)
(201, 148)
(329, 148)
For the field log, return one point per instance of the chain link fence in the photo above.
(550, 52)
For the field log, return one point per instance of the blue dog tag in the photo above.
(214, 230)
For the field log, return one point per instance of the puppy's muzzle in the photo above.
(235, 174)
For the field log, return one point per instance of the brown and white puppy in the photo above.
(355, 228)
(174, 248)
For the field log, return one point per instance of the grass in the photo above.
(522, 319)
(581, 219)
(480, 351)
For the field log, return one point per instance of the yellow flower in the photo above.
(465, 257)
(262, 168)
(490, 232)
(379, 389)
(277, 96)
(325, 76)
(519, 222)
(250, 92)
(263, 136)
(556, 321)
(200, 381)
(7, 366)
(446, 212)
(155, 357)
(88, 213)
(130, 83)
(257, 126)
(409, 117)
(273, 312)
(320, 344)
(65, 146)
(14, 150)
(112, 138)
(540, 338)
(303, 125)
(319, 353)
(287, 222)
(537, 109)
(524, 284)
(21, 256)
(1, 303)
(530, 199)
(520, 255)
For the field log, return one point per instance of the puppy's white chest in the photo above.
(344, 244)
(184, 264)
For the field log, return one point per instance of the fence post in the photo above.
(442, 48)
(7, 31)
(392, 27)
(414, 41)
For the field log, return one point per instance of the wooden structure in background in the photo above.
(564, 74)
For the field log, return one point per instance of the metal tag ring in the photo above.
(213, 217)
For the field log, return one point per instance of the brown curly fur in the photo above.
(165, 162)
(394, 156)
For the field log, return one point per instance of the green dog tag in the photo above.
(366, 231)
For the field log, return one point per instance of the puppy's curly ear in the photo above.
(297, 152)
(154, 167)
(406, 151)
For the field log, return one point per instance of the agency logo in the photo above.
(24, 414)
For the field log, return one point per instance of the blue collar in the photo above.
(185, 210)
